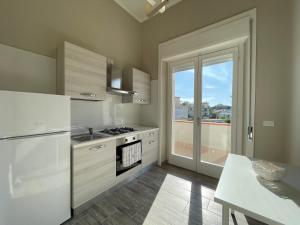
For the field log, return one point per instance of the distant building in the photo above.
(205, 110)
(185, 111)
(177, 101)
(191, 110)
(181, 110)
(224, 114)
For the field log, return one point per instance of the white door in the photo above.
(220, 110)
(205, 111)
(35, 180)
(182, 124)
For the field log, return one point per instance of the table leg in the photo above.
(225, 215)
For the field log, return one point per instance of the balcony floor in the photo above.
(211, 155)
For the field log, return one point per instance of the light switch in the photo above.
(269, 123)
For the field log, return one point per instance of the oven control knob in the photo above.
(133, 138)
(126, 140)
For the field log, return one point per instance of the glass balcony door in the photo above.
(183, 80)
(218, 110)
(205, 111)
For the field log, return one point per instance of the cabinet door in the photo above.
(149, 135)
(141, 98)
(85, 73)
(150, 147)
(141, 85)
(150, 156)
(94, 171)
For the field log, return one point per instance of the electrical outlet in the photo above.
(269, 123)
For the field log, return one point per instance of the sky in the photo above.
(216, 83)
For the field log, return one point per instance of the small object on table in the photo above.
(268, 170)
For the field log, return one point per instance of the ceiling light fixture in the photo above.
(152, 7)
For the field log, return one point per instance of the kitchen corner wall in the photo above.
(103, 26)
(40, 26)
(110, 112)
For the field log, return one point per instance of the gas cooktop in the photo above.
(117, 130)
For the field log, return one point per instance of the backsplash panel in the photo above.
(110, 112)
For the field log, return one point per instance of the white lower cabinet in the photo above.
(150, 147)
(94, 167)
(93, 171)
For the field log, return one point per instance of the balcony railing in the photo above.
(215, 140)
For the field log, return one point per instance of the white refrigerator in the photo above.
(34, 159)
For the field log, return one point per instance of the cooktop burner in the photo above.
(118, 130)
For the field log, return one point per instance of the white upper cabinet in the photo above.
(138, 82)
(81, 73)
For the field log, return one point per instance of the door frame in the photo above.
(238, 29)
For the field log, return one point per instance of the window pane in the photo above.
(216, 109)
(183, 112)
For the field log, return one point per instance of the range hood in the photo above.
(115, 80)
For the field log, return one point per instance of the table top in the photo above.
(241, 189)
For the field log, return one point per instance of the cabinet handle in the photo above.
(88, 94)
(96, 148)
(141, 100)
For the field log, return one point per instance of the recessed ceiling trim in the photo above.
(129, 8)
(136, 8)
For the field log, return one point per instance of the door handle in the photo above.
(198, 120)
(250, 133)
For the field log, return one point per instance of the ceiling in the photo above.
(136, 8)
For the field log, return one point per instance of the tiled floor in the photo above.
(167, 195)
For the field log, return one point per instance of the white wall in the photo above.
(26, 71)
(273, 27)
(36, 73)
(293, 96)
(110, 112)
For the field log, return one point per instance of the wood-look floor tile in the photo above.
(102, 209)
(161, 196)
(159, 215)
(193, 197)
(215, 208)
(119, 218)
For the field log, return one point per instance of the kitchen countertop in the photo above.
(139, 129)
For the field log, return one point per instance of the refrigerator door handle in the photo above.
(33, 136)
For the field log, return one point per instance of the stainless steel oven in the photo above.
(128, 153)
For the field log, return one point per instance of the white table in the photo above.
(270, 202)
